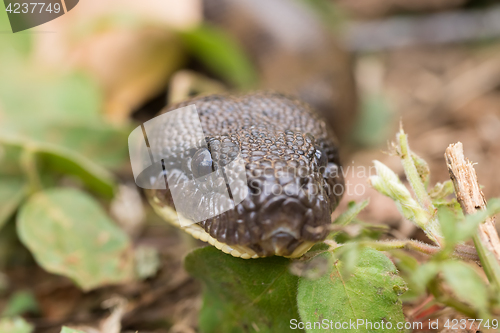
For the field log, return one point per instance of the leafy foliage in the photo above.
(57, 159)
(59, 133)
(244, 295)
(263, 295)
(371, 293)
(69, 234)
(60, 130)
(12, 191)
(66, 99)
(221, 54)
(457, 229)
(350, 214)
(466, 284)
(451, 282)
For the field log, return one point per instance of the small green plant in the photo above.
(450, 274)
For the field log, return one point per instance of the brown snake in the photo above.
(284, 143)
(291, 164)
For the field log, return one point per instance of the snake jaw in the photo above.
(237, 251)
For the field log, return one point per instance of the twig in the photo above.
(463, 252)
(471, 199)
(469, 194)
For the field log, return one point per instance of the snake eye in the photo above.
(321, 158)
(202, 163)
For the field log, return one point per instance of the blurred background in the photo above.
(71, 90)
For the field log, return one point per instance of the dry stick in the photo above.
(469, 194)
(471, 199)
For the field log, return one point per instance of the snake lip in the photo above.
(284, 220)
(283, 243)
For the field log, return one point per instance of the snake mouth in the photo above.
(283, 220)
(266, 223)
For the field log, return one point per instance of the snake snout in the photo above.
(284, 243)
(287, 221)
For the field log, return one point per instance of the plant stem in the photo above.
(431, 227)
(463, 252)
(488, 261)
(402, 244)
(413, 176)
(28, 164)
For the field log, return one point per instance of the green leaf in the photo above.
(9, 159)
(441, 191)
(220, 54)
(69, 234)
(448, 222)
(70, 330)
(424, 274)
(389, 184)
(466, 283)
(12, 192)
(371, 294)
(458, 229)
(350, 214)
(14, 45)
(61, 160)
(64, 161)
(54, 99)
(15, 325)
(422, 168)
(348, 254)
(77, 98)
(61, 107)
(103, 145)
(407, 265)
(20, 303)
(244, 295)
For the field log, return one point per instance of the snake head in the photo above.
(263, 182)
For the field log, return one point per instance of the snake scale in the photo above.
(284, 143)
